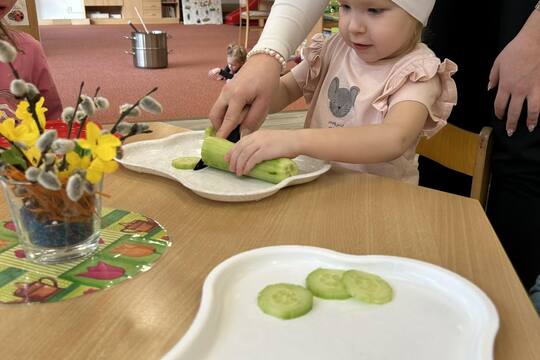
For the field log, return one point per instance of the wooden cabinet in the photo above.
(103, 2)
(152, 11)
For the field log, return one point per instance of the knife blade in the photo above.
(234, 136)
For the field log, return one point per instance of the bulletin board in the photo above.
(202, 12)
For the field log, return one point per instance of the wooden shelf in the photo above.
(152, 11)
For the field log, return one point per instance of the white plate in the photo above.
(435, 314)
(155, 156)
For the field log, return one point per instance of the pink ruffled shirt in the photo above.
(32, 67)
(355, 93)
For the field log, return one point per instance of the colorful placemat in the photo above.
(129, 244)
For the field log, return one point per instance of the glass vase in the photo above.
(51, 227)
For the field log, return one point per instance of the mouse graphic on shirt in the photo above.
(341, 100)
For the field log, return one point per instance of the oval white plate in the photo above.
(155, 156)
(435, 313)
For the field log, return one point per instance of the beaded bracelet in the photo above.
(273, 53)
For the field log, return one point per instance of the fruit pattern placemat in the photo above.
(129, 244)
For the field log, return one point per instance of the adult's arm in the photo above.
(516, 71)
(289, 23)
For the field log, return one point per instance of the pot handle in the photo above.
(129, 52)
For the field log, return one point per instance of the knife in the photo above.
(234, 136)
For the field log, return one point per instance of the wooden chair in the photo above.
(247, 15)
(463, 151)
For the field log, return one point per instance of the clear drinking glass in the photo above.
(51, 227)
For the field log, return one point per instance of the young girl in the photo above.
(31, 66)
(373, 89)
(236, 57)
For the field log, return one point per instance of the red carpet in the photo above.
(95, 54)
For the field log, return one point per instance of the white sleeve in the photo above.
(289, 23)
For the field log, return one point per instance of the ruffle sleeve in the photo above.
(312, 55)
(423, 70)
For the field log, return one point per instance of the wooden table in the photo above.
(144, 317)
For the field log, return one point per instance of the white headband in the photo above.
(419, 9)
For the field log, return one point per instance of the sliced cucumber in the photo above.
(366, 287)
(327, 284)
(285, 301)
(185, 162)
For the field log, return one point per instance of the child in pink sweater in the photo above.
(32, 67)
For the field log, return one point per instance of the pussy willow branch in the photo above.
(83, 121)
(127, 111)
(14, 71)
(31, 102)
(70, 124)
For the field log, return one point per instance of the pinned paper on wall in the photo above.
(18, 16)
(202, 12)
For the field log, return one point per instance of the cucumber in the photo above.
(327, 284)
(185, 162)
(209, 131)
(285, 301)
(366, 287)
(214, 149)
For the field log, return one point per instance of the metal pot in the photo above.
(149, 50)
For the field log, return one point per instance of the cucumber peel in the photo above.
(274, 171)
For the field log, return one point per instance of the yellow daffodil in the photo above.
(26, 116)
(103, 146)
(95, 171)
(74, 161)
(33, 154)
(18, 133)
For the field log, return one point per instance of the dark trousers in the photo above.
(514, 198)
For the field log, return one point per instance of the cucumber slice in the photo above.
(185, 162)
(285, 301)
(327, 284)
(366, 287)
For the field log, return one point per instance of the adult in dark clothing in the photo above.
(509, 31)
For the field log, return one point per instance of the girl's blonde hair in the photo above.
(237, 52)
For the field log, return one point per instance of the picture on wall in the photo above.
(202, 12)
(18, 15)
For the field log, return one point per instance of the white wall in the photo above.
(60, 9)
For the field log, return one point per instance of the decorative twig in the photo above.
(83, 121)
(127, 111)
(70, 124)
(14, 71)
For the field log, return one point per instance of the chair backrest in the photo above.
(463, 151)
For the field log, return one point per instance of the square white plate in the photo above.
(155, 157)
(435, 314)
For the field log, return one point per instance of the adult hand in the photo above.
(517, 73)
(253, 86)
(259, 146)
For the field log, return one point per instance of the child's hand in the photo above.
(214, 74)
(259, 146)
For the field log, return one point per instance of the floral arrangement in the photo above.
(56, 177)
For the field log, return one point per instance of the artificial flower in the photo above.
(26, 117)
(74, 162)
(104, 146)
(98, 167)
(18, 133)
